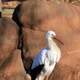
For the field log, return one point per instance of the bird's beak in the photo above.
(59, 40)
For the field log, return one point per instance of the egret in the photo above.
(47, 58)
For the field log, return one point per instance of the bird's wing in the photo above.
(39, 59)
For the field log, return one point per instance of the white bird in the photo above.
(48, 56)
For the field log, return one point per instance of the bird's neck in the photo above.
(51, 43)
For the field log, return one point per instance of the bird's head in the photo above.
(50, 34)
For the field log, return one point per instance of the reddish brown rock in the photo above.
(13, 68)
(8, 38)
(11, 65)
(64, 19)
(9, 61)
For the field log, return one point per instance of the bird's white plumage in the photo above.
(49, 57)
(50, 34)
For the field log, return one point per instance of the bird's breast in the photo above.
(53, 56)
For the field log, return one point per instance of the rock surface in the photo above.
(13, 68)
(8, 38)
(11, 65)
(64, 19)
(37, 18)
